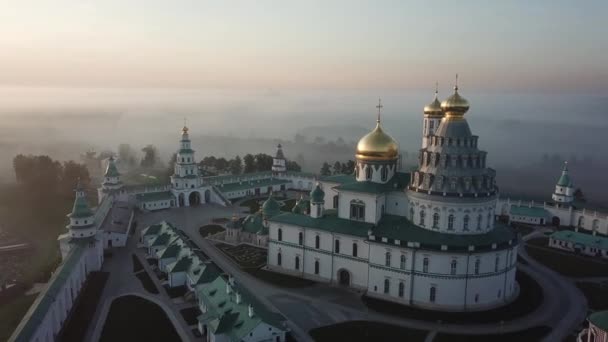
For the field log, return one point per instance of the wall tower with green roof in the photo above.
(564, 189)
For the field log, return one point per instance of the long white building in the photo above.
(425, 239)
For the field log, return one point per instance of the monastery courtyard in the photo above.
(317, 305)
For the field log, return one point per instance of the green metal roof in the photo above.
(181, 265)
(209, 274)
(398, 183)
(271, 207)
(339, 179)
(589, 240)
(171, 251)
(301, 207)
(38, 310)
(155, 196)
(111, 170)
(599, 319)
(400, 228)
(162, 239)
(564, 179)
(330, 223)
(153, 229)
(244, 185)
(529, 211)
(185, 150)
(317, 195)
(253, 223)
(81, 208)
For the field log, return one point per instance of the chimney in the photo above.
(250, 310)
(238, 298)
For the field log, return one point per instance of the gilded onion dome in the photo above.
(455, 105)
(434, 108)
(185, 130)
(377, 145)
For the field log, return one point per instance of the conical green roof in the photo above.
(317, 194)
(271, 207)
(81, 207)
(111, 170)
(564, 179)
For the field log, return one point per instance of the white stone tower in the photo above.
(279, 164)
(185, 173)
(82, 218)
(111, 181)
(432, 117)
(564, 189)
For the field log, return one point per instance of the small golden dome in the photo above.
(434, 108)
(377, 145)
(185, 130)
(455, 105)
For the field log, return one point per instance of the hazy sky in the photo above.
(494, 45)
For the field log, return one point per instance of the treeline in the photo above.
(337, 168)
(249, 163)
(43, 178)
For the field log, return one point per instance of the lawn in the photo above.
(596, 294)
(246, 256)
(133, 318)
(137, 266)
(147, 282)
(11, 313)
(530, 297)
(366, 331)
(210, 229)
(568, 264)
(528, 335)
(86, 304)
(279, 279)
(190, 315)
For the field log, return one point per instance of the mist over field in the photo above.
(527, 136)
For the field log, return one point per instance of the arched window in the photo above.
(337, 246)
(316, 266)
(489, 220)
(451, 222)
(581, 222)
(465, 223)
(401, 288)
(387, 286)
(368, 172)
(335, 201)
(425, 265)
(479, 218)
(297, 262)
(357, 210)
(317, 241)
(422, 217)
(280, 233)
(477, 265)
(436, 220)
(432, 294)
(279, 258)
(402, 262)
(384, 173)
(300, 238)
(496, 262)
(453, 266)
(412, 214)
(387, 259)
(355, 247)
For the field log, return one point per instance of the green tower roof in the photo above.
(599, 319)
(271, 207)
(112, 171)
(317, 195)
(81, 207)
(564, 179)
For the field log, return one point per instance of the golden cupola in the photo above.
(434, 108)
(377, 145)
(455, 105)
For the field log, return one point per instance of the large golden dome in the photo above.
(377, 145)
(455, 105)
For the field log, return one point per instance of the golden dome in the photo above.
(377, 145)
(185, 130)
(434, 108)
(455, 105)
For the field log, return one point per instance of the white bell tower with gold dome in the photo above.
(433, 113)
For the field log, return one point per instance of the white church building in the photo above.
(426, 239)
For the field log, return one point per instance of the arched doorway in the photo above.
(181, 199)
(194, 198)
(555, 221)
(207, 196)
(344, 277)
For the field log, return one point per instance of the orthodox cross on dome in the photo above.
(436, 87)
(456, 83)
(379, 106)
